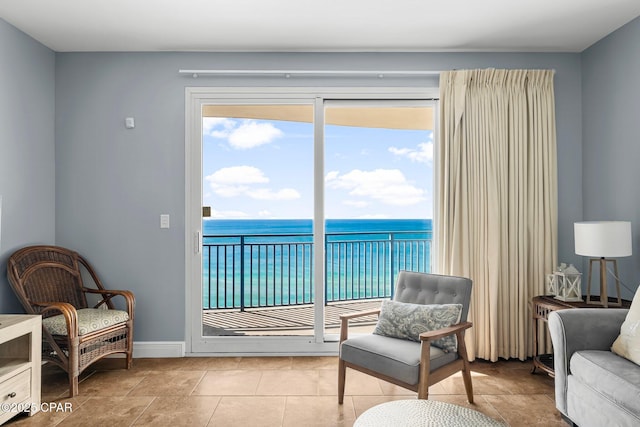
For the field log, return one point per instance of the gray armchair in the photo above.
(410, 364)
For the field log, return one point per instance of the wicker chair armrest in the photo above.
(344, 321)
(450, 330)
(128, 296)
(67, 310)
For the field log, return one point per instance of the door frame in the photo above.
(195, 97)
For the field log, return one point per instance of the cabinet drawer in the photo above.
(17, 388)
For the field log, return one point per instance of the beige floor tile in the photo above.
(168, 383)
(264, 363)
(527, 410)
(229, 383)
(108, 412)
(318, 411)
(483, 383)
(174, 411)
(289, 383)
(389, 389)
(328, 382)
(222, 363)
(362, 403)
(258, 411)
(357, 383)
(111, 382)
(317, 362)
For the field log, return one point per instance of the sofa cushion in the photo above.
(407, 321)
(89, 320)
(393, 357)
(627, 344)
(613, 377)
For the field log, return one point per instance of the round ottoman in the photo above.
(419, 412)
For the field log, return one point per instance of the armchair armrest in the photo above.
(450, 330)
(344, 321)
(67, 310)
(580, 329)
(109, 294)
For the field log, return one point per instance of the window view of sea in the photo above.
(267, 263)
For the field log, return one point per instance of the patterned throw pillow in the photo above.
(408, 321)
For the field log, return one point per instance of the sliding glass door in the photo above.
(300, 207)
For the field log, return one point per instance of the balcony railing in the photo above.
(252, 271)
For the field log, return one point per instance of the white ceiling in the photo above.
(319, 25)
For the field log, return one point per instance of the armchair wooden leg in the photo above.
(342, 373)
(425, 369)
(468, 386)
(466, 371)
(129, 360)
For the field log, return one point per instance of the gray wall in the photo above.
(27, 162)
(112, 184)
(611, 138)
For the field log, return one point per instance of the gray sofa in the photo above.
(594, 387)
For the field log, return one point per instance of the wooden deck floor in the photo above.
(290, 320)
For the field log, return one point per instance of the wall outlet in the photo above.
(164, 221)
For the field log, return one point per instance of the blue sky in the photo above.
(264, 169)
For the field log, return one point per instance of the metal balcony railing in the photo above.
(252, 271)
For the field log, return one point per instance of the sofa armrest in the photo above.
(580, 329)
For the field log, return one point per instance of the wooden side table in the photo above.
(543, 305)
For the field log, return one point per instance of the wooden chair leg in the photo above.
(73, 385)
(129, 359)
(342, 373)
(425, 369)
(466, 371)
(468, 386)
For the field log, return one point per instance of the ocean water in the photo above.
(266, 263)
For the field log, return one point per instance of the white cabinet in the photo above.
(20, 360)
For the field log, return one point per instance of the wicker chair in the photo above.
(48, 280)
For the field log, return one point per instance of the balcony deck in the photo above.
(287, 320)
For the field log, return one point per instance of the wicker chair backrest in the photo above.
(46, 274)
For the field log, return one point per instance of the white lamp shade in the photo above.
(603, 239)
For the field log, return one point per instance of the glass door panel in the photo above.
(378, 178)
(257, 246)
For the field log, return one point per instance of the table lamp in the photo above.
(603, 241)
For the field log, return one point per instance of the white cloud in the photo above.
(423, 154)
(388, 186)
(242, 181)
(268, 194)
(331, 175)
(227, 215)
(225, 125)
(238, 175)
(243, 134)
(356, 203)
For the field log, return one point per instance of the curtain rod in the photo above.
(289, 73)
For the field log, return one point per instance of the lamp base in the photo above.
(604, 299)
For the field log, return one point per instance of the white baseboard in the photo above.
(158, 349)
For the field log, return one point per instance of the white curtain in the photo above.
(497, 182)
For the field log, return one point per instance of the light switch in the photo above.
(129, 122)
(164, 221)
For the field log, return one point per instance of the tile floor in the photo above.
(272, 391)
